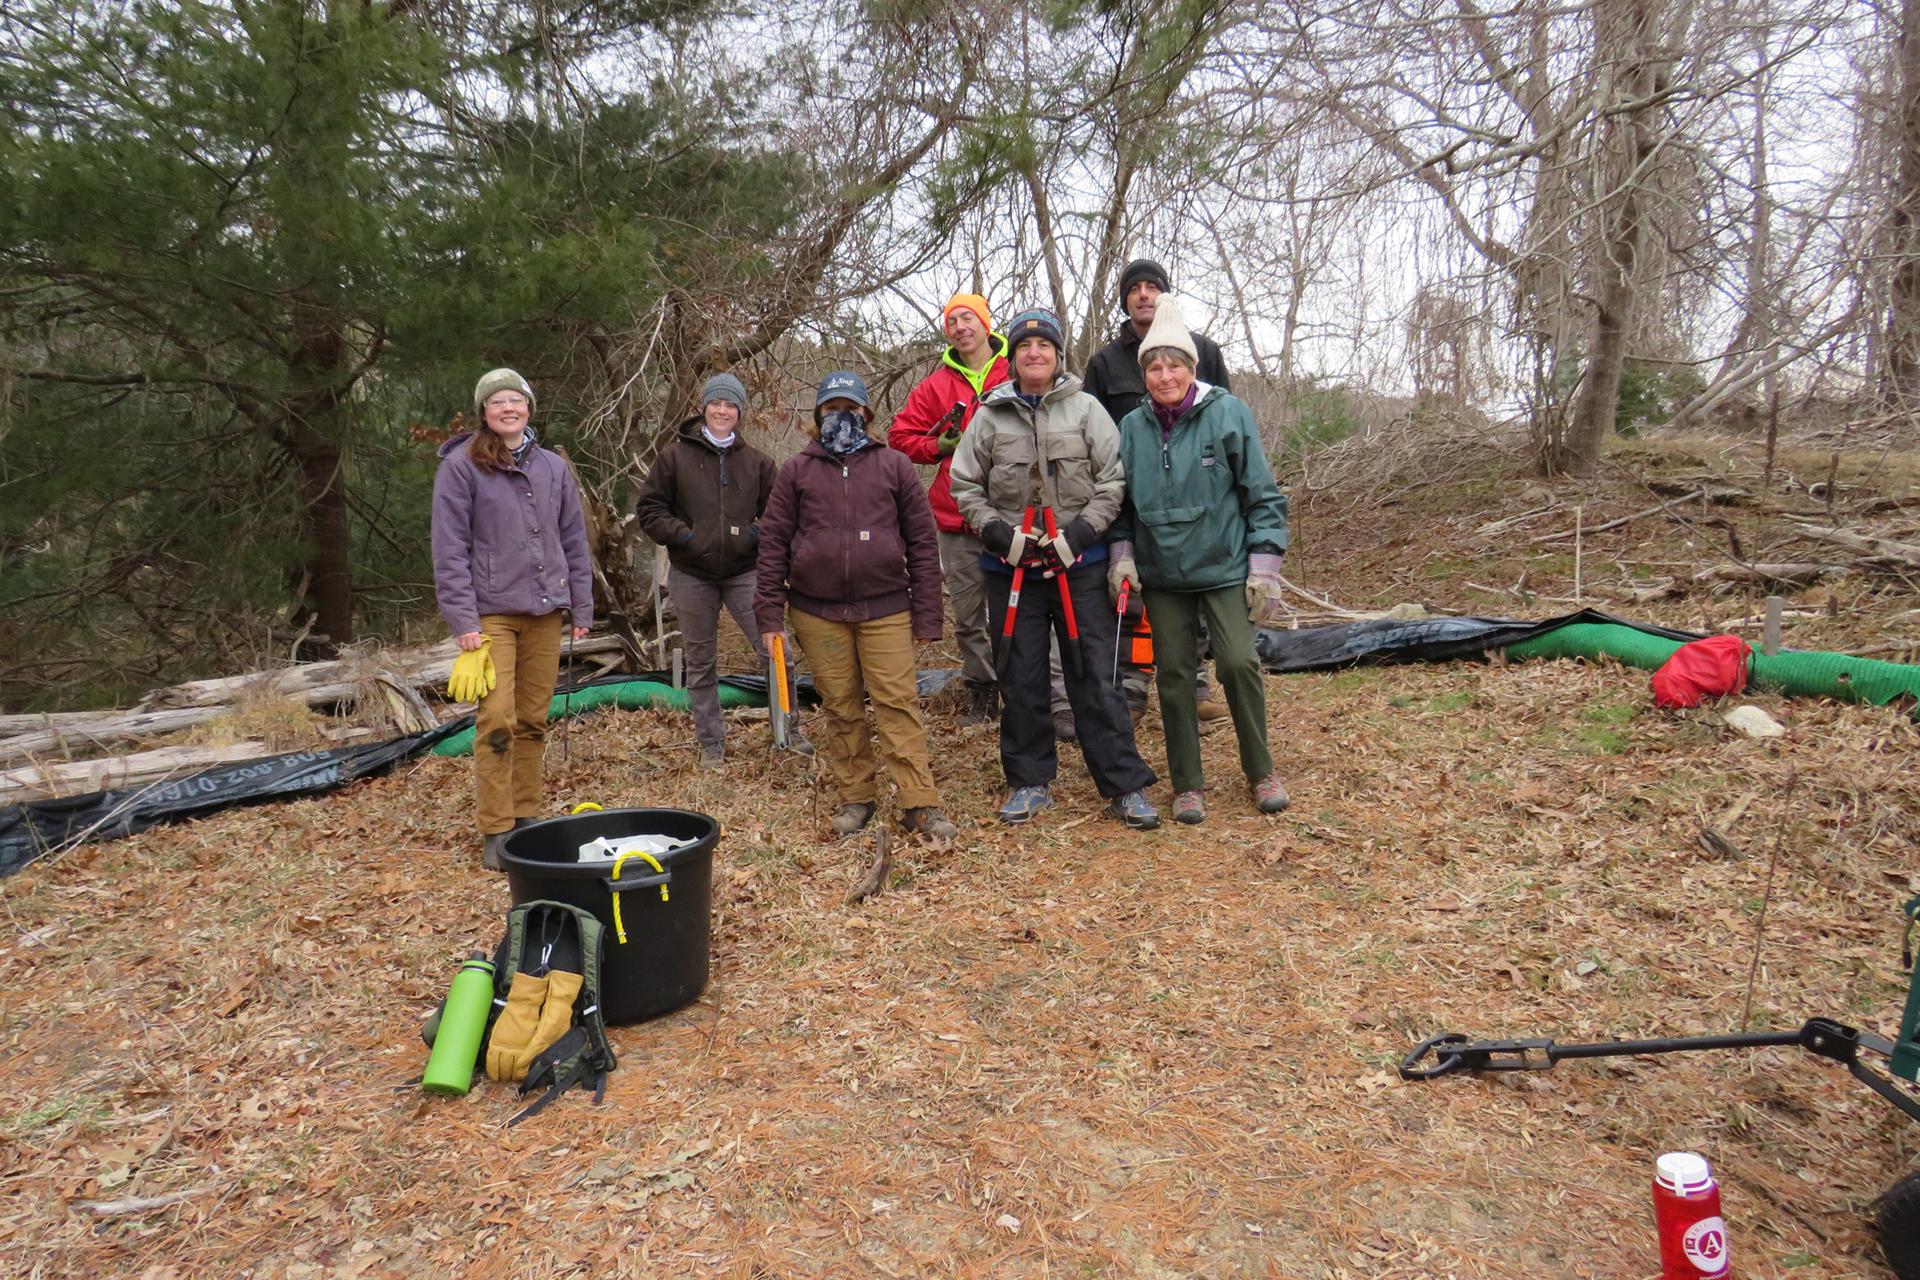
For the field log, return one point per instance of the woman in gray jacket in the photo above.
(1040, 444)
(509, 558)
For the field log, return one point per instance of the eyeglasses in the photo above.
(502, 399)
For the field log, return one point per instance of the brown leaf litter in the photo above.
(1060, 1050)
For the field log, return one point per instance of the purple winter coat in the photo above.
(510, 541)
(849, 542)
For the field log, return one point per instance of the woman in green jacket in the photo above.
(1201, 533)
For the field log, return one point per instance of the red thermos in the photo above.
(1686, 1208)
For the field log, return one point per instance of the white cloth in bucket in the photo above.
(606, 850)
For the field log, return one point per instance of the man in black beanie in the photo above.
(1114, 379)
(1113, 375)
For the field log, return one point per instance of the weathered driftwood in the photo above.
(45, 782)
(104, 731)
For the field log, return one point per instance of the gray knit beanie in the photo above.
(724, 386)
(500, 380)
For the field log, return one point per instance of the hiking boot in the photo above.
(1211, 705)
(1133, 809)
(712, 755)
(983, 703)
(852, 818)
(927, 820)
(523, 822)
(1063, 730)
(797, 741)
(491, 849)
(1271, 794)
(1189, 807)
(1024, 803)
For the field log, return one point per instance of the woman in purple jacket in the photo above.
(848, 541)
(509, 558)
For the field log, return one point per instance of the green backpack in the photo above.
(542, 936)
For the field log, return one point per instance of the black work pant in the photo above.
(1099, 706)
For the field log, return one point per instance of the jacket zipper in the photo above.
(846, 541)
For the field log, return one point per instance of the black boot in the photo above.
(983, 703)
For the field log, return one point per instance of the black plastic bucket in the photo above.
(663, 962)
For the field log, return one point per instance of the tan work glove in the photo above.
(1120, 568)
(555, 1018)
(507, 1055)
(1263, 587)
(473, 676)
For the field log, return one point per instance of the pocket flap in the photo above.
(1172, 515)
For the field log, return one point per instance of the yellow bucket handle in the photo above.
(619, 926)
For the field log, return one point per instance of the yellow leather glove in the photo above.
(507, 1055)
(555, 1018)
(473, 676)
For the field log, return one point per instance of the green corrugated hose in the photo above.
(1797, 674)
(630, 695)
(1833, 675)
(1593, 640)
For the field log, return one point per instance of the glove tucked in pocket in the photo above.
(507, 1055)
(555, 1018)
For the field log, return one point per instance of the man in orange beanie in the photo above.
(927, 429)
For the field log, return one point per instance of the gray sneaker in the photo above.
(713, 755)
(797, 741)
(1024, 803)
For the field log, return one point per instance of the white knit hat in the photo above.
(1168, 330)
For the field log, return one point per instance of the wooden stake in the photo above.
(1578, 550)
(1766, 895)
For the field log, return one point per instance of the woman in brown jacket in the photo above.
(702, 502)
(848, 541)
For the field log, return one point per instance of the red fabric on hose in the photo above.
(1700, 670)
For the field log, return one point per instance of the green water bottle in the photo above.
(463, 1019)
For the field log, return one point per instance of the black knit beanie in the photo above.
(1142, 269)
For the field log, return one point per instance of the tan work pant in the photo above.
(856, 662)
(510, 730)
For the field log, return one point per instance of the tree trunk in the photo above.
(328, 529)
(1902, 377)
(1628, 31)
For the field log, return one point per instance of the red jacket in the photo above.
(915, 427)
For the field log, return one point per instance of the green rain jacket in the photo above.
(1198, 503)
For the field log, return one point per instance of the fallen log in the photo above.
(1885, 549)
(318, 683)
(1794, 574)
(48, 781)
(105, 731)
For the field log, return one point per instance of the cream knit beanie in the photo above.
(1168, 330)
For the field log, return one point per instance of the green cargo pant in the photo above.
(1176, 641)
